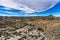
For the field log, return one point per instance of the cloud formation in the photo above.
(29, 5)
(38, 5)
(11, 4)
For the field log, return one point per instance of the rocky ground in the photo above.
(29, 28)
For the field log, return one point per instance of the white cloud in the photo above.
(8, 12)
(11, 4)
(8, 15)
(38, 5)
(31, 15)
(8, 3)
(29, 5)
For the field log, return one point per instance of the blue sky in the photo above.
(29, 8)
(54, 11)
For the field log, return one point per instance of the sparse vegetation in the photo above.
(30, 26)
